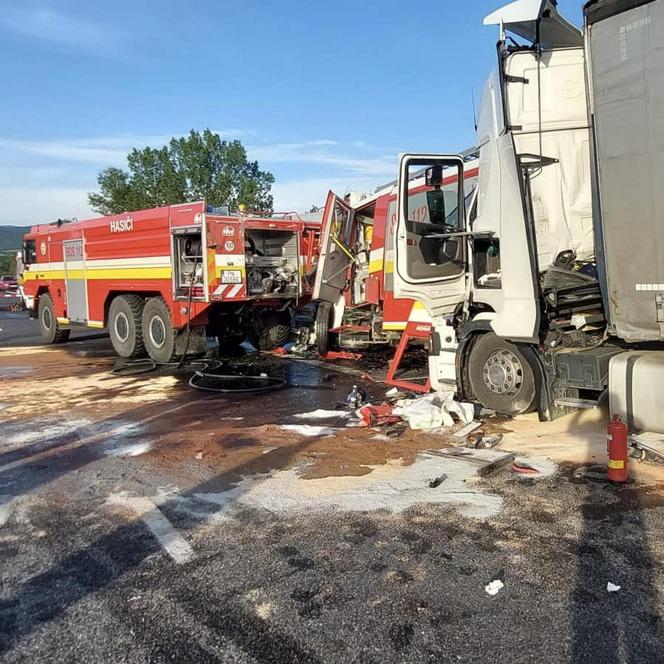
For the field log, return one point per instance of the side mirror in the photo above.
(436, 205)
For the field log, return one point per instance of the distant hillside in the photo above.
(11, 237)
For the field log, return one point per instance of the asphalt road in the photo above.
(18, 329)
(86, 576)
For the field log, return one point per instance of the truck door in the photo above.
(335, 255)
(431, 235)
(77, 297)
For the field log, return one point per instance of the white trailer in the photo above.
(564, 264)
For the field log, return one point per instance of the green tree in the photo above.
(199, 166)
(8, 263)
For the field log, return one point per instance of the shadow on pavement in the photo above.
(47, 595)
(613, 547)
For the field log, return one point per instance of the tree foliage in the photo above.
(199, 166)
(8, 263)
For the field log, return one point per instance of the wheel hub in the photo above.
(47, 320)
(122, 327)
(503, 373)
(157, 332)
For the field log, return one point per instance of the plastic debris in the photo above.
(487, 442)
(432, 411)
(396, 430)
(435, 483)
(373, 415)
(464, 411)
(524, 468)
(494, 587)
(467, 430)
(612, 587)
(356, 397)
(322, 414)
(392, 392)
(341, 355)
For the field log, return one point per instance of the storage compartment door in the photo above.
(77, 296)
(335, 255)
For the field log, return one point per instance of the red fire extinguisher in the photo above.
(617, 447)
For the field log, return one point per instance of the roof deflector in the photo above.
(521, 18)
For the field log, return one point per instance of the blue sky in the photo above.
(325, 95)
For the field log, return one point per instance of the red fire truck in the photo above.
(354, 282)
(162, 280)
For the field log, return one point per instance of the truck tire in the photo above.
(501, 377)
(125, 326)
(50, 329)
(322, 325)
(158, 331)
(274, 331)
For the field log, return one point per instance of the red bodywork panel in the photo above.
(133, 252)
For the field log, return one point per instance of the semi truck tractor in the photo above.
(161, 280)
(558, 293)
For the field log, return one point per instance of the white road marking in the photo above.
(175, 545)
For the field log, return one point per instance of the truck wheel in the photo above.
(51, 331)
(322, 325)
(500, 376)
(158, 331)
(273, 332)
(125, 327)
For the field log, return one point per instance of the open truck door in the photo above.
(432, 251)
(431, 235)
(335, 256)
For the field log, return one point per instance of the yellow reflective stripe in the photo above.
(95, 323)
(46, 274)
(418, 305)
(616, 464)
(389, 266)
(62, 321)
(376, 265)
(146, 272)
(394, 326)
(129, 273)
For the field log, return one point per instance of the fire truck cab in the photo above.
(161, 280)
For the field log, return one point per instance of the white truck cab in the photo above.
(511, 282)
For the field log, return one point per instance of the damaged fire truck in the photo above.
(354, 283)
(161, 280)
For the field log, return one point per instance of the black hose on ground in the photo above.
(146, 365)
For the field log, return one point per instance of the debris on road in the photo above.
(435, 483)
(494, 587)
(502, 461)
(487, 442)
(356, 397)
(309, 429)
(612, 587)
(524, 468)
(432, 411)
(464, 432)
(322, 414)
(372, 415)
(341, 355)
